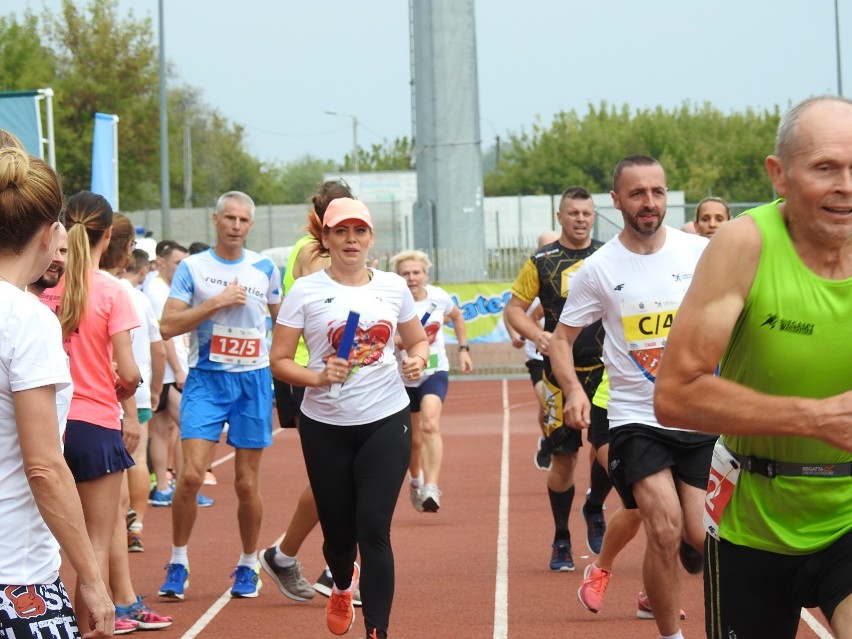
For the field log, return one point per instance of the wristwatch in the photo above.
(464, 347)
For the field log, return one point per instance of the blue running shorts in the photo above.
(244, 400)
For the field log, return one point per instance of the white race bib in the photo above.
(724, 473)
(235, 345)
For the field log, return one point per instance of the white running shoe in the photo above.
(415, 492)
(431, 498)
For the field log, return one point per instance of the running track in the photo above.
(478, 569)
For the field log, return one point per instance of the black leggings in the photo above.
(356, 473)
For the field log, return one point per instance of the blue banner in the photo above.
(105, 158)
(19, 113)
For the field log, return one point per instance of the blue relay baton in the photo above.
(345, 347)
(429, 312)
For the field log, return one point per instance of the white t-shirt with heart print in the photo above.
(319, 306)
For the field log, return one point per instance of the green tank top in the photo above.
(301, 356)
(793, 338)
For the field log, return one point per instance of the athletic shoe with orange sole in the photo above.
(339, 611)
(593, 590)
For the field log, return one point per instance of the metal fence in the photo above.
(512, 227)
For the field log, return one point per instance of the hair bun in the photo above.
(14, 167)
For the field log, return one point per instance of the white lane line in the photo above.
(208, 616)
(205, 619)
(501, 585)
(819, 630)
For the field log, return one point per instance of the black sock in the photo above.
(601, 485)
(560, 505)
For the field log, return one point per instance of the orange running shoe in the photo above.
(339, 611)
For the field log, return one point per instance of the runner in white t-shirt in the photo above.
(355, 426)
(149, 351)
(164, 429)
(634, 284)
(434, 308)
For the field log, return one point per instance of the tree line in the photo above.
(98, 59)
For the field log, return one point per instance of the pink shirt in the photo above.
(109, 311)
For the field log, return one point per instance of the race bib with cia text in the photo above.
(646, 329)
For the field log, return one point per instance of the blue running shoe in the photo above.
(177, 580)
(205, 502)
(595, 529)
(561, 559)
(246, 582)
(161, 497)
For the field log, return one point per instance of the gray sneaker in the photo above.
(289, 580)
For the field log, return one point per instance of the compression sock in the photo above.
(601, 485)
(560, 506)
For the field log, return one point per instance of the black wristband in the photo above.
(464, 347)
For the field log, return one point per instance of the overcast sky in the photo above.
(275, 67)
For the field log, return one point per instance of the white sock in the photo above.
(249, 560)
(136, 526)
(415, 482)
(180, 556)
(677, 635)
(281, 560)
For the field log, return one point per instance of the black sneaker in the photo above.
(691, 559)
(324, 584)
(595, 529)
(542, 455)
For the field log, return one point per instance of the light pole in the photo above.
(355, 163)
(837, 45)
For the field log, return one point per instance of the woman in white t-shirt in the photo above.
(40, 510)
(356, 426)
(434, 308)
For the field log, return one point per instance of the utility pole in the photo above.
(166, 221)
(187, 158)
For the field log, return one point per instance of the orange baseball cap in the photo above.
(345, 208)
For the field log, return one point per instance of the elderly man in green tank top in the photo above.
(772, 301)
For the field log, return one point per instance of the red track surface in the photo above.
(451, 580)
